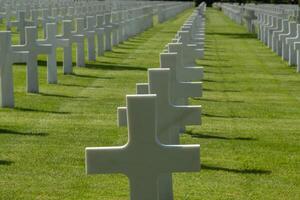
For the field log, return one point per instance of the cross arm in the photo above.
(20, 57)
(63, 42)
(192, 73)
(189, 115)
(104, 160)
(19, 48)
(297, 45)
(122, 116)
(78, 37)
(44, 49)
(142, 88)
(191, 89)
(181, 158)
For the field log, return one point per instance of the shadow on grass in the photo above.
(219, 72)
(81, 86)
(210, 136)
(117, 67)
(238, 171)
(61, 96)
(216, 100)
(6, 162)
(90, 76)
(40, 111)
(221, 116)
(218, 81)
(212, 90)
(43, 63)
(11, 132)
(234, 35)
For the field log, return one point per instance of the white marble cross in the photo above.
(73, 38)
(89, 33)
(34, 50)
(291, 33)
(7, 58)
(21, 23)
(170, 119)
(51, 31)
(100, 34)
(290, 42)
(277, 44)
(190, 51)
(115, 26)
(143, 159)
(180, 91)
(108, 30)
(185, 73)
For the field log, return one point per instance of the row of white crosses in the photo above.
(277, 26)
(233, 11)
(155, 118)
(281, 35)
(92, 28)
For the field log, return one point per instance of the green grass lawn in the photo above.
(249, 141)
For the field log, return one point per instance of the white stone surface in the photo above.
(73, 38)
(34, 49)
(21, 23)
(170, 118)
(51, 39)
(143, 159)
(7, 58)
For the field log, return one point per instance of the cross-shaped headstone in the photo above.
(89, 33)
(291, 33)
(143, 159)
(7, 58)
(290, 42)
(115, 27)
(180, 91)
(21, 23)
(185, 73)
(190, 51)
(34, 49)
(73, 38)
(51, 31)
(170, 119)
(100, 34)
(108, 30)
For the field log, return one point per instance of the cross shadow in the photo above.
(43, 63)
(234, 35)
(12, 132)
(81, 86)
(40, 111)
(218, 81)
(90, 76)
(212, 72)
(61, 96)
(238, 171)
(117, 67)
(6, 162)
(215, 100)
(220, 116)
(212, 90)
(211, 136)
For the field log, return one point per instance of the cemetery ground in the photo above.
(249, 137)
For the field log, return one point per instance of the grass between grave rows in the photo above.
(249, 137)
